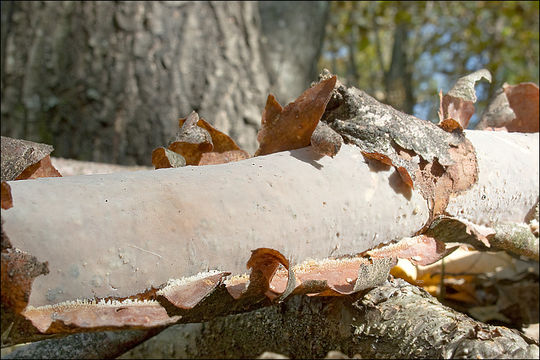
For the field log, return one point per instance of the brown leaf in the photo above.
(404, 174)
(165, 158)
(7, 200)
(291, 127)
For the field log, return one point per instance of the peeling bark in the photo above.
(395, 320)
(114, 240)
(382, 322)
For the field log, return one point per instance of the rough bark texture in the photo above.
(106, 81)
(100, 345)
(396, 320)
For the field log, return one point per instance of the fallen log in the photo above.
(108, 251)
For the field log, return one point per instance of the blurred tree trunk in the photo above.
(106, 81)
(292, 37)
(398, 78)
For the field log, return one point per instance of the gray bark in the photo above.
(395, 320)
(107, 81)
(293, 33)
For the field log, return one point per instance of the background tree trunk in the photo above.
(106, 81)
(398, 78)
(292, 37)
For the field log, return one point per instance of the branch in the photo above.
(395, 320)
(133, 250)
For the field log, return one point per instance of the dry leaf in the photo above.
(291, 127)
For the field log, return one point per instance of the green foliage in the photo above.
(446, 40)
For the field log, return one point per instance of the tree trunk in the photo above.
(293, 33)
(91, 78)
(398, 79)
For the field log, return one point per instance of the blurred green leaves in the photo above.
(445, 41)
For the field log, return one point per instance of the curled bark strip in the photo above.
(264, 263)
(212, 158)
(186, 293)
(163, 158)
(7, 200)
(514, 238)
(450, 125)
(102, 315)
(439, 184)
(332, 277)
(379, 157)
(523, 99)
(221, 141)
(42, 168)
(464, 86)
(420, 250)
(514, 108)
(192, 141)
(184, 299)
(326, 141)
(450, 229)
(405, 176)
(440, 163)
(458, 104)
(200, 144)
(18, 272)
(17, 155)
